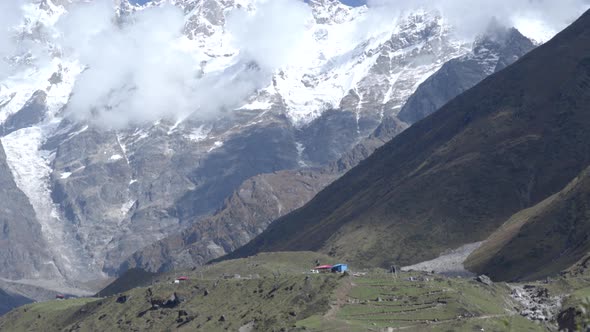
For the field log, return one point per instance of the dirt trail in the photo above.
(400, 312)
(341, 298)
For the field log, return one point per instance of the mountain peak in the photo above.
(330, 11)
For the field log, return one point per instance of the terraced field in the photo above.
(276, 292)
(420, 302)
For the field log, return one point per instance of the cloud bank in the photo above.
(138, 69)
(134, 71)
(10, 16)
(138, 72)
(272, 35)
(538, 18)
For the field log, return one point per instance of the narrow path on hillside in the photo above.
(341, 298)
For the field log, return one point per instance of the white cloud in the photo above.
(472, 17)
(273, 34)
(10, 15)
(137, 71)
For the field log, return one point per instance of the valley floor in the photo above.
(276, 292)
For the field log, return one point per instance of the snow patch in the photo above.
(174, 126)
(198, 134)
(140, 134)
(77, 132)
(58, 94)
(300, 149)
(126, 207)
(116, 157)
(30, 167)
(18, 89)
(257, 105)
(215, 146)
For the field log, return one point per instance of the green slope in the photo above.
(274, 293)
(513, 140)
(377, 302)
(541, 241)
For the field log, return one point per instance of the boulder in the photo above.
(484, 280)
(567, 319)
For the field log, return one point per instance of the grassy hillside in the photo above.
(377, 302)
(540, 241)
(274, 293)
(507, 144)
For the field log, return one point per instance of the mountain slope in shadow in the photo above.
(542, 240)
(505, 145)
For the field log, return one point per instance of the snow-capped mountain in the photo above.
(100, 194)
(262, 199)
(494, 51)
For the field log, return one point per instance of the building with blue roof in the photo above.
(340, 268)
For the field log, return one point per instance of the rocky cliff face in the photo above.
(23, 251)
(252, 207)
(98, 195)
